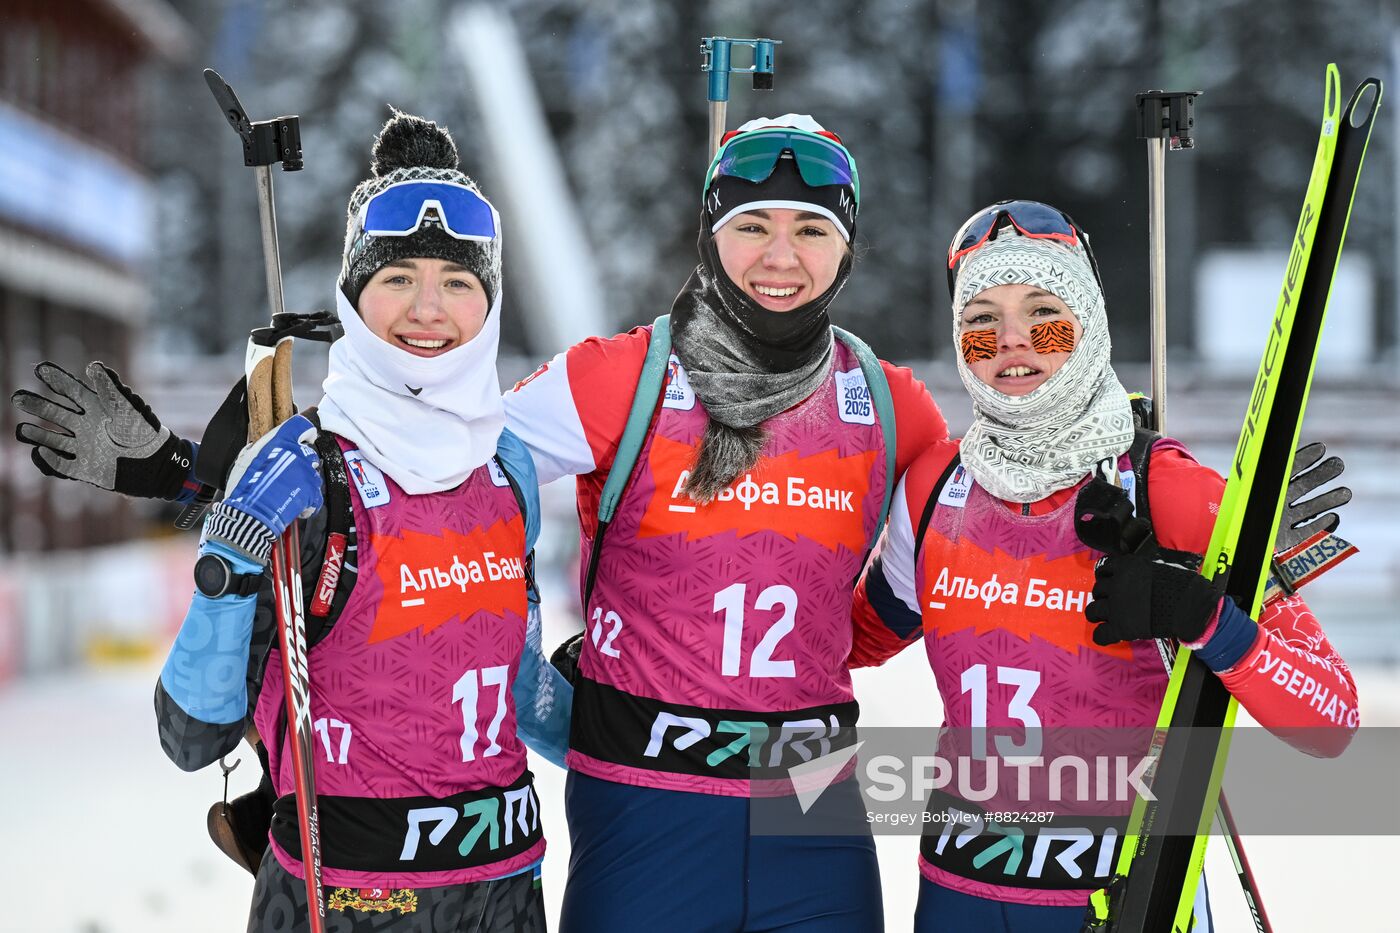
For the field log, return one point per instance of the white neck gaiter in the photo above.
(1022, 449)
(427, 423)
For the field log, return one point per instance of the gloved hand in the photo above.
(273, 482)
(566, 657)
(224, 438)
(107, 435)
(1104, 519)
(1301, 516)
(1141, 595)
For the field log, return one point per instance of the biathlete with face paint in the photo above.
(426, 672)
(721, 603)
(1063, 649)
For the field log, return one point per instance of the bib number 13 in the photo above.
(731, 601)
(974, 681)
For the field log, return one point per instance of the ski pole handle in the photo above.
(267, 142)
(257, 366)
(282, 404)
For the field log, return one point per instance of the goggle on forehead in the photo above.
(1029, 219)
(752, 156)
(403, 207)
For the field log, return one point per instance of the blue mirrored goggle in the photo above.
(400, 210)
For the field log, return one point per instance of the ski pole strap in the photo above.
(321, 326)
(334, 581)
(1140, 455)
(879, 387)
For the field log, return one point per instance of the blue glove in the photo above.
(273, 482)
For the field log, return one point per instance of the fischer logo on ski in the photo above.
(1296, 257)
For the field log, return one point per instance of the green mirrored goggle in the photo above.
(752, 156)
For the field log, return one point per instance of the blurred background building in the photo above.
(77, 202)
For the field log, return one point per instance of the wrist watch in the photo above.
(214, 577)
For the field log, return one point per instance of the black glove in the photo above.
(224, 438)
(1137, 596)
(107, 436)
(565, 657)
(1104, 519)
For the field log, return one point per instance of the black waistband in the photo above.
(1020, 849)
(405, 834)
(612, 725)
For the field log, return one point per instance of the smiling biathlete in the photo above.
(428, 815)
(718, 607)
(1064, 645)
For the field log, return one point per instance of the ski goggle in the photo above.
(752, 156)
(400, 209)
(1029, 218)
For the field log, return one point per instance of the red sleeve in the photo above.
(1294, 683)
(1291, 679)
(918, 422)
(603, 374)
(885, 617)
(1193, 492)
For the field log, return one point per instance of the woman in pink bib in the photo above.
(1033, 637)
(419, 512)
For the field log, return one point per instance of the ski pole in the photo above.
(264, 143)
(1242, 869)
(716, 60)
(268, 368)
(1166, 120)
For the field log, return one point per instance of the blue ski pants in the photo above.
(645, 860)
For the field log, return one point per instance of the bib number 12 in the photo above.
(731, 601)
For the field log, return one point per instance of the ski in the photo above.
(1159, 867)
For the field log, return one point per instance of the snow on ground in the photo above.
(101, 834)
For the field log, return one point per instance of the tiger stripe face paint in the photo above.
(978, 345)
(1046, 337)
(1014, 337)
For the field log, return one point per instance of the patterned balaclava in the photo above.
(1024, 448)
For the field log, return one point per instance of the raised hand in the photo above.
(103, 434)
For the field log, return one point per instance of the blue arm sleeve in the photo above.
(206, 668)
(543, 698)
(1233, 636)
